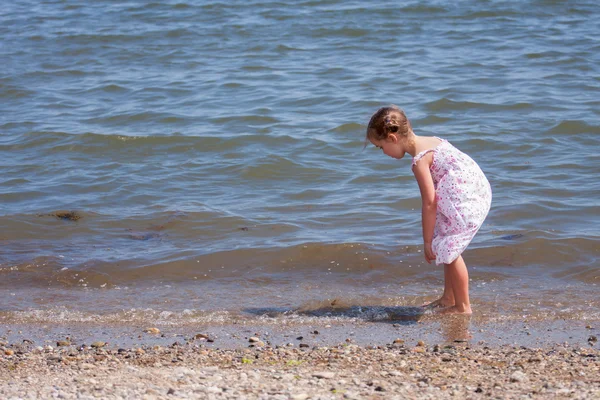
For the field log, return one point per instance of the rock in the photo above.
(201, 336)
(592, 339)
(97, 345)
(9, 352)
(63, 343)
(153, 331)
(254, 339)
(300, 396)
(67, 215)
(398, 341)
(421, 343)
(323, 375)
(518, 376)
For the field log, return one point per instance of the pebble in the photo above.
(323, 375)
(518, 376)
(201, 336)
(97, 345)
(154, 331)
(301, 396)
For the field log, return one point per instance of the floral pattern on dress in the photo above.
(464, 197)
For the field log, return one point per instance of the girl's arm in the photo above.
(428, 201)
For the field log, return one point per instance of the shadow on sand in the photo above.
(400, 314)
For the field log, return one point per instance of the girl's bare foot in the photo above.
(457, 310)
(441, 302)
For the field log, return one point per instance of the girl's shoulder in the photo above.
(435, 145)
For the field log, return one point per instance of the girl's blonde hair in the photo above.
(388, 120)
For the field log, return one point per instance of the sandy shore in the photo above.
(255, 365)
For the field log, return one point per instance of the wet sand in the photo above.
(436, 358)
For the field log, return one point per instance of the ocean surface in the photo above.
(185, 161)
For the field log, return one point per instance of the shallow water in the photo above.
(214, 156)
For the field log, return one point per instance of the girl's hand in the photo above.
(429, 254)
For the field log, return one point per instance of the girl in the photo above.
(455, 198)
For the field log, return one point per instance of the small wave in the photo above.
(277, 167)
(496, 13)
(50, 272)
(348, 127)
(573, 127)
(12, 92)
(87, 39)
(340, 32)
(587, 274)
(252, 119)
(132, 316)
(109, 88)
(147, 116)
(423, 9)
(446, 104)
(544, 54)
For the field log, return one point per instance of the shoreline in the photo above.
(231, 335)
(339, 360)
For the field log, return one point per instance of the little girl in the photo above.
(455, 198)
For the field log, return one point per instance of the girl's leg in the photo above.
(447, 299)
(459, 281)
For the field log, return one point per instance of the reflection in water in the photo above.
(456, 327)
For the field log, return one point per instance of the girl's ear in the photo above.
(392, 138)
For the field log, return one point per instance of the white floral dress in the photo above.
(464, 197)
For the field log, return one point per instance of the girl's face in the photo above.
(391, 146)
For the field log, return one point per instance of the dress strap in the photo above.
(421, 154)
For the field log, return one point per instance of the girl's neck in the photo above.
(417, 144)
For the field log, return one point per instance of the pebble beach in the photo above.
(266, 367)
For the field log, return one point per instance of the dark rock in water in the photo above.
(66, 215)
(512, 237)
(143, 236)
